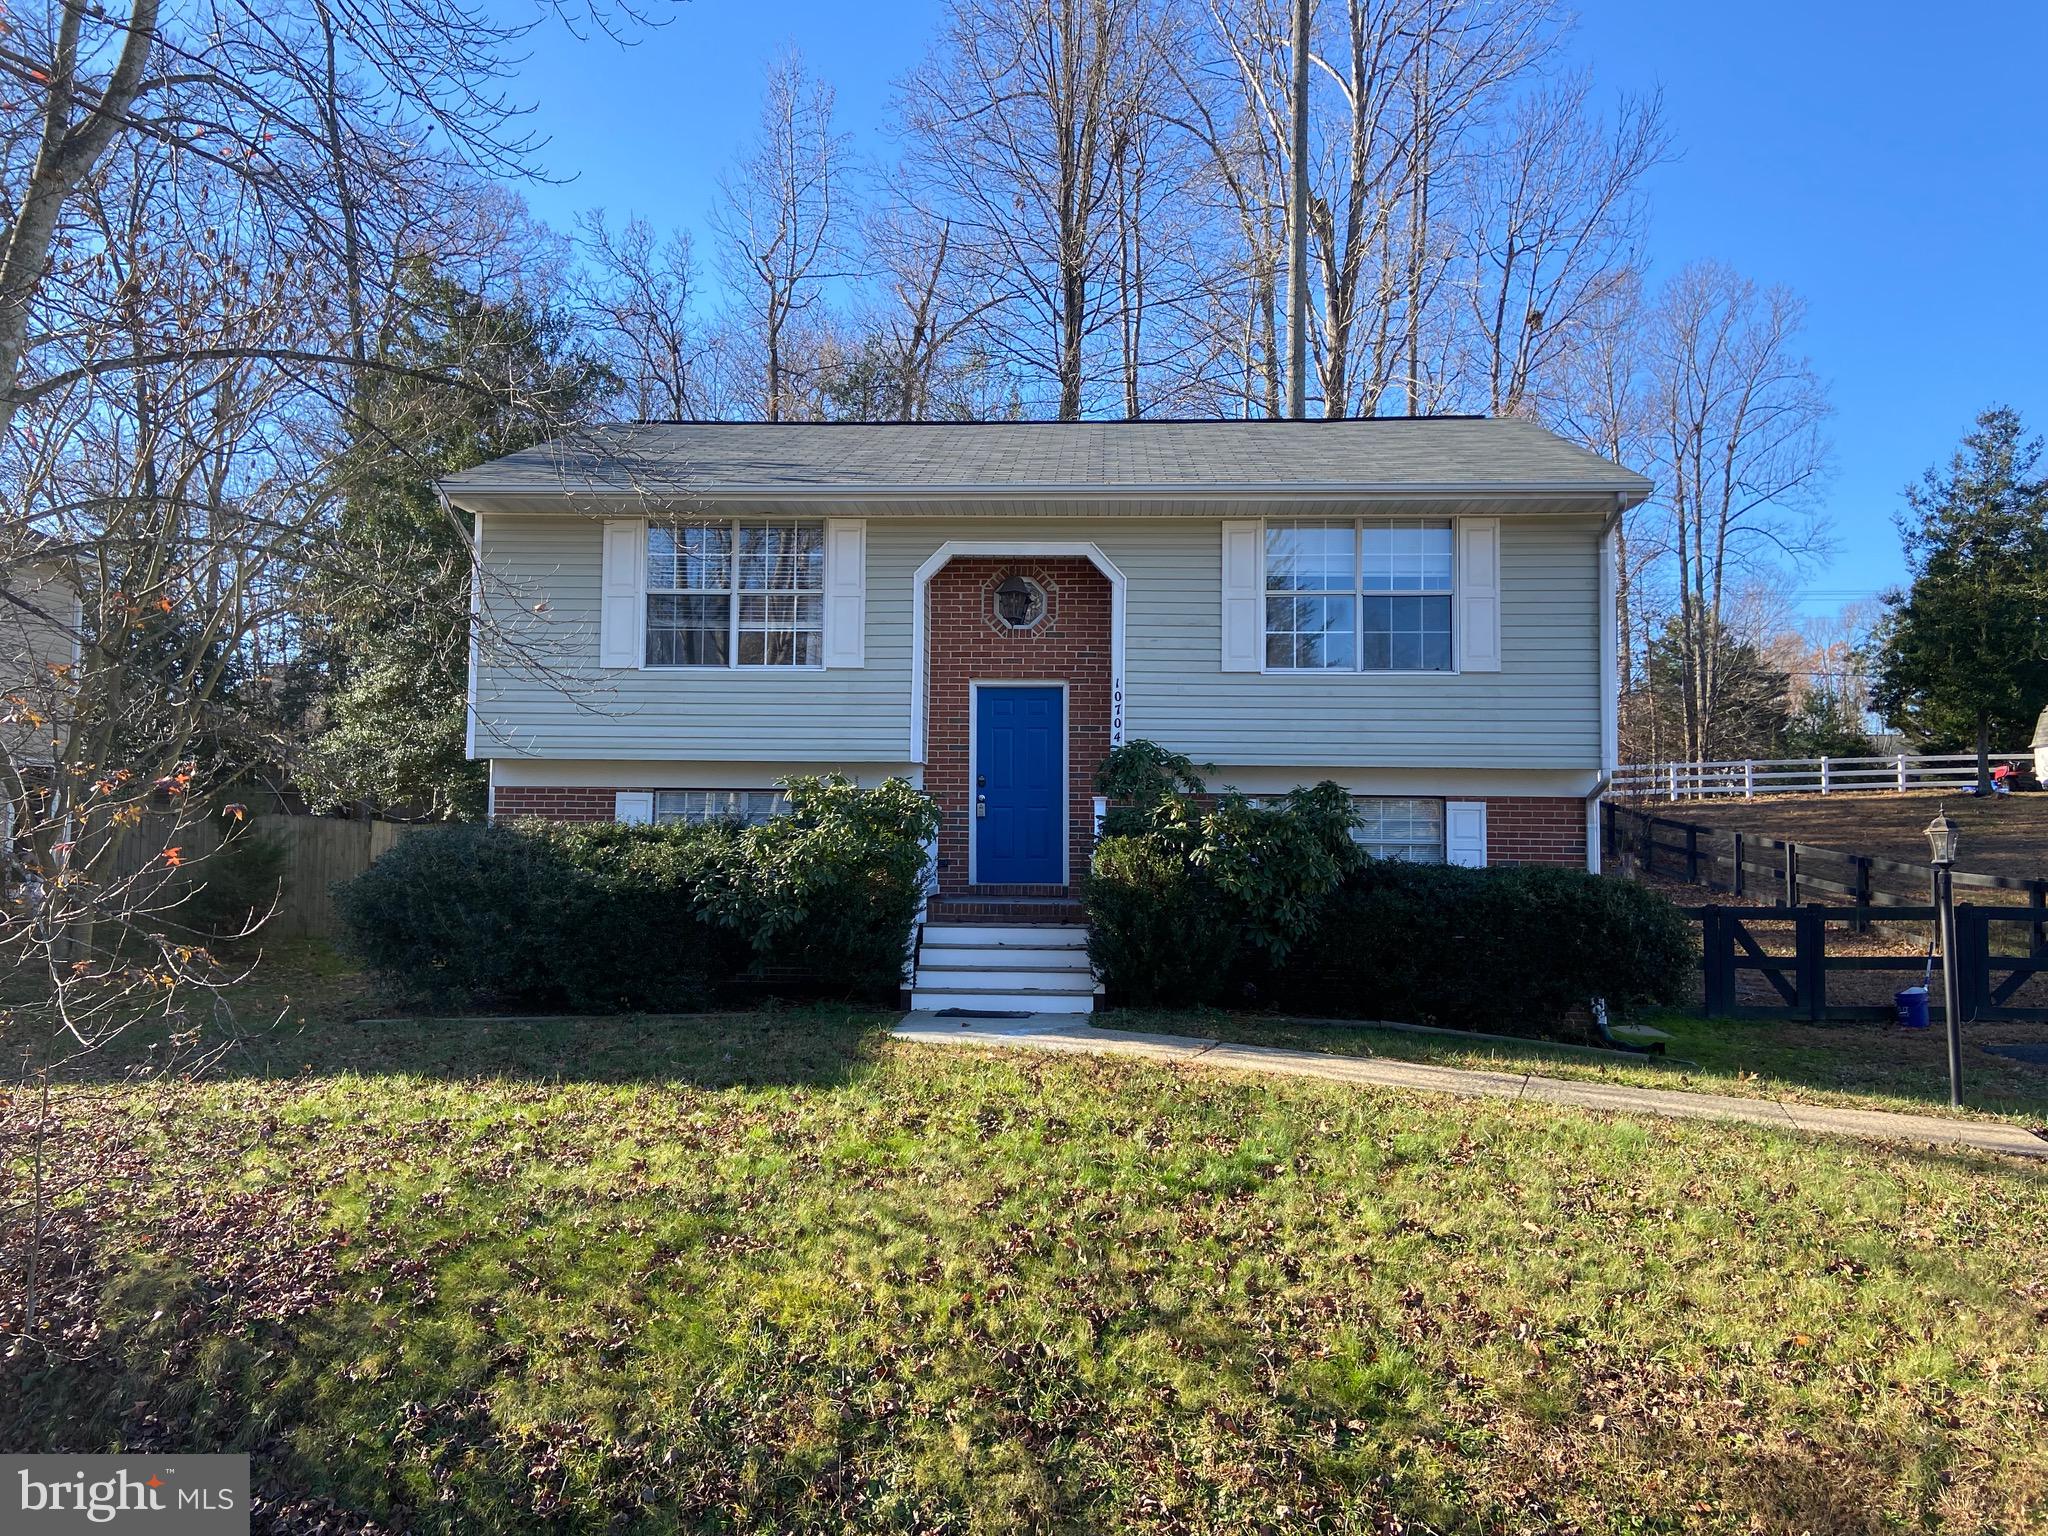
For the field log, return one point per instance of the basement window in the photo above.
(1406, 829)
(696, 806)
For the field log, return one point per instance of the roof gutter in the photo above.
(1025, 491)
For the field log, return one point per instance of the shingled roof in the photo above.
(1447, 454)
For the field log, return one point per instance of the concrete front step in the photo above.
(1007, 979)
(980, 1000)
(984, 935)
(1004, 968)
(1060, 956)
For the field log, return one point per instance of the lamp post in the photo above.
(1942, 837)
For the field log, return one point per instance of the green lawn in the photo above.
(1862, 1066)
(776, 1272)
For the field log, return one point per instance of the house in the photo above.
(672, 617)
(41, 628)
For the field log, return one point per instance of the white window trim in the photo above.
(1442, 844)
(1357, 592)
(733, 593)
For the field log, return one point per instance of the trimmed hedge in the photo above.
(602, 917)
(1193, 903)
(832, 887)
(1513, 950)
(1204, 900)
(538, 918)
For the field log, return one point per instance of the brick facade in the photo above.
(1528, 830)
(1519, 829)
(555, 802)
(969, 644)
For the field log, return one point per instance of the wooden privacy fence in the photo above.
(318, 852)
(1803, 775)
(1788, 873)
(1990, 975)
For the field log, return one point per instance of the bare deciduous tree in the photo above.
(1019, 123)
(1740, 453)
(1557, 210)
(780, 222)
(1397, 93)
(637, 291)
(206, 211)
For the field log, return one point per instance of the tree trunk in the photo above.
(1983, 751)
(1073, 320)
(1297, 214)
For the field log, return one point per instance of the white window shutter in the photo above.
(1244, 630)
(622, 604)
(1478, 589)
(1465, 833)
(635, 807)
(846, 592)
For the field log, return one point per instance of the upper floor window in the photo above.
(736, 594)
(1355, 595)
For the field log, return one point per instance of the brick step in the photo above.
(1006, 909)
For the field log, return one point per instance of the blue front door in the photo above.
(1020, 786)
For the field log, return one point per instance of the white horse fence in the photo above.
(1750, 777)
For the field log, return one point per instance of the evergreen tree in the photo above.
(1826, 722)
(1752, 716)
(1963, 653)
(395, 636)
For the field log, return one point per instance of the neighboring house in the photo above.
(41, 624)
(41, 629)
(676, 616)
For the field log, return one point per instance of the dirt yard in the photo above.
(2001, 836)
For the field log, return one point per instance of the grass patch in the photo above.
(776, 1271)
(1856, 1066)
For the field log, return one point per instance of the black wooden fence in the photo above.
(1788, 873)
(1989, 974)
(2000, 948)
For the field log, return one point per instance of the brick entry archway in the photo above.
(967, 643)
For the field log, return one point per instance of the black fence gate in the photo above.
(1989, 974)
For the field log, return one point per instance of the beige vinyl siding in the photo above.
(1540, 711)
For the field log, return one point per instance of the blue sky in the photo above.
(1884, 164)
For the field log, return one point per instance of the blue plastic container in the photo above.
(1912, 1006)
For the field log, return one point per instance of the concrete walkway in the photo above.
(1074, 1036)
